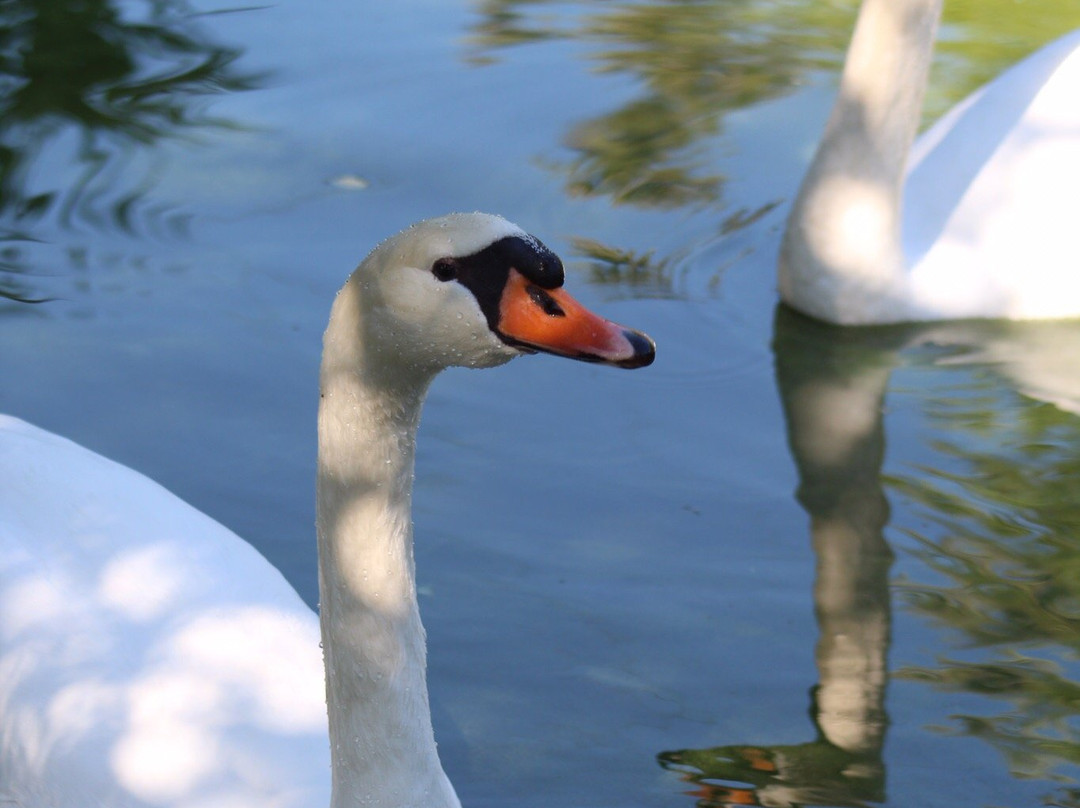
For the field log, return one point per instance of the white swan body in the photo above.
(150, 657)
(978, 221)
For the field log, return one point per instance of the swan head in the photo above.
(474, 290)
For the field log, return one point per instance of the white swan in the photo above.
(149, 657)
(978, 221)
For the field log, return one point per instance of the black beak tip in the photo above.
(644, 350)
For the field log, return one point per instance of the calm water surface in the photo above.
(786, 565)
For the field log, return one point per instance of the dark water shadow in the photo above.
(88, 89)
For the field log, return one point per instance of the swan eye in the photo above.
(445, 269)
(545, 301)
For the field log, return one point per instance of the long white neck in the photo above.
(841, 258)
(382, 744)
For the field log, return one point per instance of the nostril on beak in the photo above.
(545, 301)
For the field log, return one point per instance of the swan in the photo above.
(977, 221)
(150, 657)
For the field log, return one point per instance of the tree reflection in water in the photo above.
(694, 63)
(88, 81)
(644, 274)
(1003, 519)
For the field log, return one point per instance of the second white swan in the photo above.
(977, 221)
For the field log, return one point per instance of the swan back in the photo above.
(990, 199)
(148, 656)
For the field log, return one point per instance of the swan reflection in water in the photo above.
(996, 520)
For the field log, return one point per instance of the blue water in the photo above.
(617, 570)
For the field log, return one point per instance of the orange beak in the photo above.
(538, 319)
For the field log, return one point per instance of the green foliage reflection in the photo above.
(643, 272)
(1004, 524)
(693, 61)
